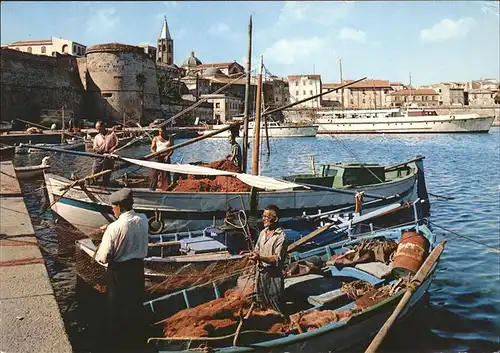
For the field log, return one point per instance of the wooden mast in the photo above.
(256, 129)
(247, 98)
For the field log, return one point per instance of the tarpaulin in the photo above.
(258, 181)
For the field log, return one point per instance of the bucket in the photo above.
(410, 254)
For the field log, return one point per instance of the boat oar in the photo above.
(240, 324)
(308, 237)
(417, 280)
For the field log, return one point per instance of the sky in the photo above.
(436, 41)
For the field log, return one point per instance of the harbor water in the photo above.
(462, 313)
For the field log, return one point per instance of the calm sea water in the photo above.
(463, 310)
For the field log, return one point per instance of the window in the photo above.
(163, 48)
(304, 93)
(311, 92)
(296, 83)
(364, 100)
(74, 48)
(277, 99)
(107, 95)
(64, 48)
(43, 50)
(386, 91)
(352, 101)
(29, 50)
(296, 93)
(217, 105)
(169, 47)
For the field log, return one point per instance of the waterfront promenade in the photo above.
(30, 318)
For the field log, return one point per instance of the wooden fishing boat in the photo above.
(197, 256)
(74, 146)
(32, 172)
(6, 152)
(336, 309)
(88, 208)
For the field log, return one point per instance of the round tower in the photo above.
(121, 82)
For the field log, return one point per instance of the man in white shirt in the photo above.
(104, 142)
(124, 246)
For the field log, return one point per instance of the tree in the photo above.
(168, 89)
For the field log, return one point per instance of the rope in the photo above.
(463, 236)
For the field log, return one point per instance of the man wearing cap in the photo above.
(235, 155)
(124, 246)
(269, 253)
(104, 142)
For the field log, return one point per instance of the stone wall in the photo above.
(31, 83)
(114, 73)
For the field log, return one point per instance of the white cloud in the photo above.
(350, 34)
(447, 29)
(291, 51)
(324, 13)
(171, 3)
(223, 29)
(102, 21)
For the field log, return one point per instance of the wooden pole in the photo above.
(417, 280)
(308, 237)
(247, 98)
(256, 130)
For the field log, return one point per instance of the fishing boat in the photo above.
(6, 152)
(399, 120)
(336, 309)
(5, 126)
(72, 146)
(88, 208)
(32, 172)
(197, 256)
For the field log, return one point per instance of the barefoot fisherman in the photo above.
(269, 254)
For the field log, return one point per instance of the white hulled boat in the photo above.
(399, 120)
(274, 129)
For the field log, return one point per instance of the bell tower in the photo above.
(165, 45)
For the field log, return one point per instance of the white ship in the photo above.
(274, 129)
(399, 120)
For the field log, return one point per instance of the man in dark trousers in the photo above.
(269, 254)
(124, 246)
(235, 155)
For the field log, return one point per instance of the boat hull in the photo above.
(398, 125)
(30, 172)
(196, 210)
(273, 131)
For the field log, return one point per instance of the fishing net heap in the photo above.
(218, 183)
(220, 317)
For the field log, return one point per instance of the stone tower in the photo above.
(165, 45)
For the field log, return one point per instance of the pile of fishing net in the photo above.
(220, 183)
(221, 317)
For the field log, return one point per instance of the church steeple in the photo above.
(165, 45)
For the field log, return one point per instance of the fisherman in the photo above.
(269, 253)
(124, 246)
(104, 142)
(161, 142)
(235, 155)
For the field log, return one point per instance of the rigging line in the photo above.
(355, 157)
(463, 236)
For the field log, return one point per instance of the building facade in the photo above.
(419, 97)
(225, 107)
(49, 47)
(368, 94)
(305, 86)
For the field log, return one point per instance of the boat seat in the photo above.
(322, 299)
(300, 279)
(357, 274)
(377, 269)
(201, 244)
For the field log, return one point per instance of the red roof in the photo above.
(421, 92)
(362, 84)
(298, 77)
(330, 85)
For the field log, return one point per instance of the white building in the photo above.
(49, 47)
(305, 86)
(224, 107)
